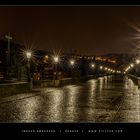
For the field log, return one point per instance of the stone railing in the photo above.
(8, 89)
(135, 79)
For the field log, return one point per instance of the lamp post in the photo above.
(92, 68)
(101, 67)
(137, 67)
(56, 60)
(137, 61)
(28, 55)
(72, 62)
(101, 70)
(92, 65)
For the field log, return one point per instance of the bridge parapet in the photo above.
(135, 79)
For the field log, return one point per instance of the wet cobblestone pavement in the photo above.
(97, 100)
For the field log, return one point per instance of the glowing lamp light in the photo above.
(72, 62)
(56, 59)
(101, 67)
(132, 65)
(28, 55)
(137, 61)
(46, 56)
(109, 69)
(92, 65)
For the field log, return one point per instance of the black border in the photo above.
(69, 2)
(69, 129)
(17, 129)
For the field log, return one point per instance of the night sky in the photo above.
(94, 30)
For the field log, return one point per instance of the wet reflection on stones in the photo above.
(105, 99)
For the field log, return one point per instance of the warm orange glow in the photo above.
(46, 56)
(105, 60)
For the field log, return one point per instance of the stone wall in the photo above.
(135, 79)
(43, 83)
(8, 89)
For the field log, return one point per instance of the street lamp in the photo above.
(105, 68)
(92, 68)
(92, 65)
(132, 65)
(101, 67)
(137, 61)
(56, 60)
(72, 62)
(28, 55)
